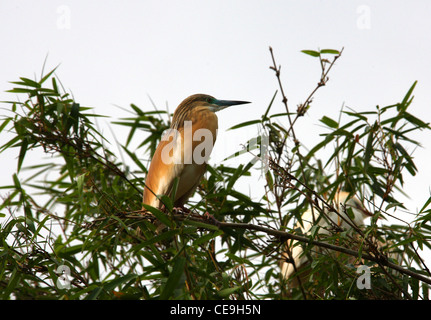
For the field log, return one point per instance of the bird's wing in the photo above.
(166, 165)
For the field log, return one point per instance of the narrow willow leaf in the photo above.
(245, 124)
(368, 149)
(330, 51)
(4, 124)
(200, 224)
(93, 295)
(224, 293)
(30, 83)
(47, 76)
(311, 53)
(206, 238)
(22, 152)
(174, 278)
(111, 285)
(137, 109)
(329, 122)
(159, 215)
(407, 100)
(269, 107)
(80, 183)
(167, 235)
(174, 190)
(74, 116)
(425, 205)
(416, 121)
(20, 90)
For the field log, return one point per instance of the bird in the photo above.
(294, 262)
(184, 150)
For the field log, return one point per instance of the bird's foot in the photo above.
(181, 210)
(210, 217)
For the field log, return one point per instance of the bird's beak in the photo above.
(227, 103)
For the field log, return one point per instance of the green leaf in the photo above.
(416, 121)
(269, 107)
(329, 51)
(94, 294)
(329, 122)
(111, 285)
(174, 190)
(65, 252)
(319, 146)
(47, 76)
(206, 238)
(269, 180)
(20, 90)
(311, 53)
(245, 124)
(410, 166)
(30, 83)
(12, 283)
(199, 224)
(236, 154)
(132, 132)
(369, 149)
(54, 86)
(425, 205)
(159, 214)
(80, 183)
(16, 181)
(39, 227)
(407, 101)
(22, 152)
(137, 110)
(74, 116)
(313, 231)
(237, 174)
(159, 238)
(4, 124)
(174, 278)
(167, 201)
(224, 293)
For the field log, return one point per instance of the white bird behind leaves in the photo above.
(325, 226)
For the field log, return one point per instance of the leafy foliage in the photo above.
(73, 228)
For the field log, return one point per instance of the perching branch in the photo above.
(282, 236)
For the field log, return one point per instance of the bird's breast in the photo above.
(199, 136)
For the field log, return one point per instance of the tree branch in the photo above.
(210, 223)
(283, 236)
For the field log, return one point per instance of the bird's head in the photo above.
(209, 102)
(197, 103)
(359, 211)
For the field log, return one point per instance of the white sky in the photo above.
(119, 52)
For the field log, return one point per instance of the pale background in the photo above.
(113, 53)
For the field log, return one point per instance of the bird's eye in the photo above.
(209, 100)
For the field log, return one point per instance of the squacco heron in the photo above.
(183, 152)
